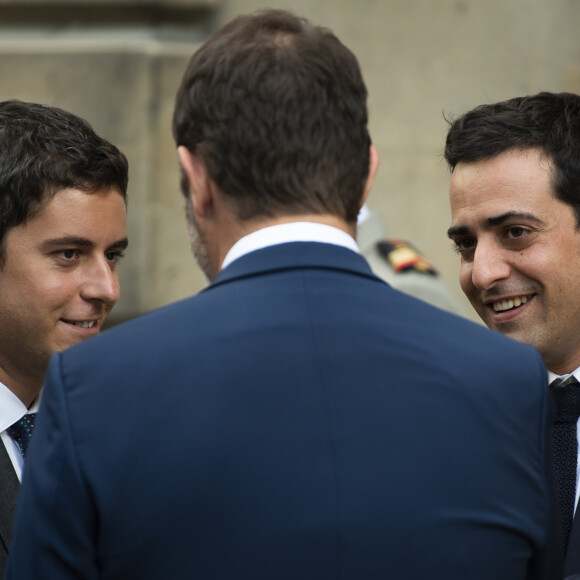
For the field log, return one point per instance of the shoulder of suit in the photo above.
(403, 257)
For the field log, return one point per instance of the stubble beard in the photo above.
(196, 241)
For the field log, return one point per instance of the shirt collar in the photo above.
(11, 408)
(553, 376)
(286, 233)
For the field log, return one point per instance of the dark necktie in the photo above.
(21, 432)
(565, 447)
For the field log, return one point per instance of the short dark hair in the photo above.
(549, 121)
(44, 150)
(276, 109)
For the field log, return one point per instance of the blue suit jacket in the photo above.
(298, 419)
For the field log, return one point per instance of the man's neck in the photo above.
(24, 386)
(249, 227)
(325, 219)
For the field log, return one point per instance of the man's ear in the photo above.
(200, 189)
(374, 162)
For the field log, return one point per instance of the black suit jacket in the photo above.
(9, 485)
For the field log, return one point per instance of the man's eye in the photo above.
(464, 244)
(516, 232)
(114, 256)
(69, 254)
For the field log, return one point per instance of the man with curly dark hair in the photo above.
(62, 231)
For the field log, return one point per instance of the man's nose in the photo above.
(100, 282)
(489, 266)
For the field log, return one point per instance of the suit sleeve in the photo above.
(55, 527)
(547, 563)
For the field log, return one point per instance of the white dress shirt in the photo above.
(552, 377)
(11, 410)
(291, 232)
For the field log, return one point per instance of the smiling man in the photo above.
(62, 232)
(515, 204)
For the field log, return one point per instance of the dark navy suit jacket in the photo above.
(298, 419)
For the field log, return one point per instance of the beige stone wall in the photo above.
(420, 58)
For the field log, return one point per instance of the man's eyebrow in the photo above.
(122, 244)
(79, 241)
(457, 231)
(67, 241)
(494, 221)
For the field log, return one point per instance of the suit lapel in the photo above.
(9, 485)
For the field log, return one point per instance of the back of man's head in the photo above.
(276, 109)
(44, 150)
(548, 121)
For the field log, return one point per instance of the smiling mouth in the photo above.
(81, 323)
(512, 303)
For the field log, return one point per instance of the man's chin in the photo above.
(72, 335)
(516, 332)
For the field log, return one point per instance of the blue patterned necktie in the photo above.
(21, 432)
(566, 395)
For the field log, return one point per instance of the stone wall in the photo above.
(118, 62)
